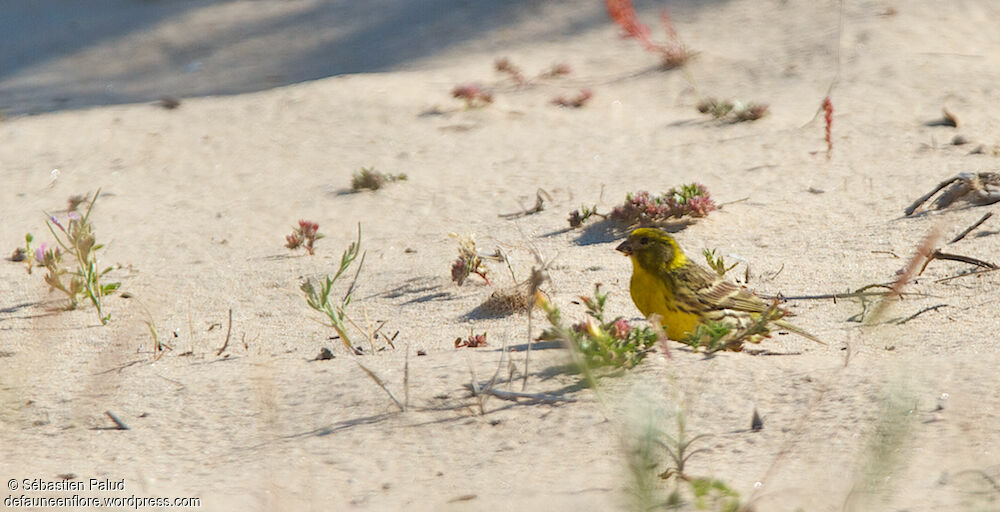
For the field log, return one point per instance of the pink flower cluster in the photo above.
(691, 200)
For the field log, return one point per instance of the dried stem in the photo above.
(406, 379)
(514, 396)
(381, 384)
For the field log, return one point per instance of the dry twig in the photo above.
(969, 229)
(229, 330)
(938, 255)
(918, 313)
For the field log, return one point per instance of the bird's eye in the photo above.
(644, 240)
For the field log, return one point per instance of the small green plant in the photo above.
(578, 217)
(709, 336)
(712, 494)
(643, 208)
(732, 111)
(715, 336)
(645, 443)
(370, 179)
(304, 236)
(886, 449)
(82, 278)
(679, 448)
(319, 299)
(600, 342)
(717, 263)
(641, 448)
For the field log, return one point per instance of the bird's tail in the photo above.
(790, 327)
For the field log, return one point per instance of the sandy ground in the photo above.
(197, 201)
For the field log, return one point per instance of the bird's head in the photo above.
(651, 248)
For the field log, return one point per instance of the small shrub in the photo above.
(82, 278)
(643, 208)
(732, 111)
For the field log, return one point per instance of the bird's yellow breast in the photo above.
(652, 295)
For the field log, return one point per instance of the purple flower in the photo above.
(55, 221)
(40, 253)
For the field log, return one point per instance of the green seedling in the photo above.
(318, 294)
(716, 336)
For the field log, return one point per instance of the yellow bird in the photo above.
(685, 294)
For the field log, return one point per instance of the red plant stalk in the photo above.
(668, 26)
(828, 116)
(623, 14)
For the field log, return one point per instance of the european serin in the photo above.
(685, 294)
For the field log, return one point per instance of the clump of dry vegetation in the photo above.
(370, 179)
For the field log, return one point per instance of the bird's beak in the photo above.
(625, 247)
